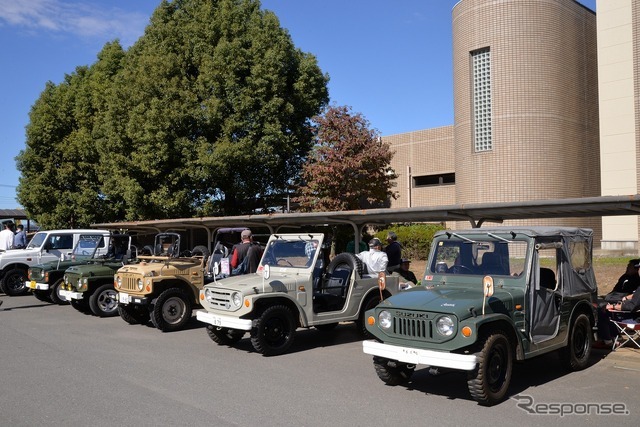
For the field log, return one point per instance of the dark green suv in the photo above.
(490, 297)
(89, 287)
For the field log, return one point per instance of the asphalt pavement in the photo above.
(64, 368)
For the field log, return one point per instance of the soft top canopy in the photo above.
(542, 231)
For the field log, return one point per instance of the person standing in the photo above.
(393, 251)
(245, 255)
(375, 259)
(20, 239)
(6, 237)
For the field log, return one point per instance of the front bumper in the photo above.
(418, 356)
(39, 286)
(125, 298)
(224, 321)
(69, 295)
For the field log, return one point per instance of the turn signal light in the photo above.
(371, 320)
(466, 331)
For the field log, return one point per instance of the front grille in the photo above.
(73, 280)
(219, 298)
(129, 283)
(417, 325)
(412, 328)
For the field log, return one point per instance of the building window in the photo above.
(434, 180)
(481, 62)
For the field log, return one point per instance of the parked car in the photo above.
(490, 297)
(44, 247)
(46, 280)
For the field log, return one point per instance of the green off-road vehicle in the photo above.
(291, 289)
(163, 286)
(46, 280)
(490, 297)
(89, 286)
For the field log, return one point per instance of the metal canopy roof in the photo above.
(476, 214)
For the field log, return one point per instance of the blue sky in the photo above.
(389, 60)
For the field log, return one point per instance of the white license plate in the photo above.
(124, 298)
(216, 321)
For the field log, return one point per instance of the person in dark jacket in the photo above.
(245, 256)
(627, 283)
(393, 251)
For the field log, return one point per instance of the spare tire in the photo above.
(346, 260)
(200, 250)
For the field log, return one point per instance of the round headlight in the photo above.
(140, 284)
(444, 326)
(236, 299)
(384, 319)
(119, 281)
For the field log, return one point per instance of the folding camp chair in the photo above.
(628, 330)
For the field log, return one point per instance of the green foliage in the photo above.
(415, 238)
(206, 113)
(348, 167)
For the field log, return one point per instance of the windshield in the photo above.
(290, 253)
(475, 256)
(37, 240)
(87, 246)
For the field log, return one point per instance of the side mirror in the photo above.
(382, 280)
(266, 272)
(487, 285)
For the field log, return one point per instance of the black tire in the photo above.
(54, 293)
(346, 260)
(201, 251)
(273, 332)
(134, 314)
(42, 295)
(575, 356)
(171, 311)
(104, 301)
(489, 382)
(13, 282)
(372, 300)
(82, 305)
(392, 372)
(224, 336)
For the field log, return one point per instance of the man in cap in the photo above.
(375, 260)
(393, 251)
(245, 255)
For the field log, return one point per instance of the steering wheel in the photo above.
(283, 261)
(460, 269)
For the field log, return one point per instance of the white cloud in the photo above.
(79, 18)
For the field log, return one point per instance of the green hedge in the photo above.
(415, 239)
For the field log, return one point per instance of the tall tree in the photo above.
(349, 166)
(210, 113)
(59, 184)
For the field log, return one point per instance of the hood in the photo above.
(453, 300)
(20, 253)
(55, 265)
(102, 269)
(254, 282)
